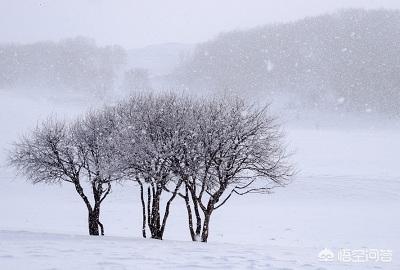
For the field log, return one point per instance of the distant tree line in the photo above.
(202, 151)
(76, 64)
(349, 60)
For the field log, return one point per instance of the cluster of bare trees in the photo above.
(203, 151)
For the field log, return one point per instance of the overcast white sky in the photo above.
(133, 23)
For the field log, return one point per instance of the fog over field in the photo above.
(244, 134)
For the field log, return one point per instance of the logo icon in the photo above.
(326, 255)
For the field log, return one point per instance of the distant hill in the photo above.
(349, 60)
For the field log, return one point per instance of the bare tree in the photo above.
(237, 149)
(56, 152)
(93, 136)
(150, 140)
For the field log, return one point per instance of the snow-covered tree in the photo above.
(150, 140)
(81, 153)
(236, 149)
(93, 136)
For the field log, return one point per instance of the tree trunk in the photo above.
(143, 208)
(157, 234)
(204, 235)
(194, 234)
(209, 210)
(156, 225)
(94, 223)
(167, 207)
(190, 216)
(101, 227)
(93, 214)
(154, 217)
(198, 216)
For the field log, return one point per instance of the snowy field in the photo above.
(345, 196)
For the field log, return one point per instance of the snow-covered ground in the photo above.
(345, 196)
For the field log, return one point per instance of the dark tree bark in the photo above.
(202, 227)
(155, 222)
(198, 216)
(143, 208)
(101, 227)
(93, 223)
(206, 223)
(155, 226)
(189, 198)
(190, 216)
